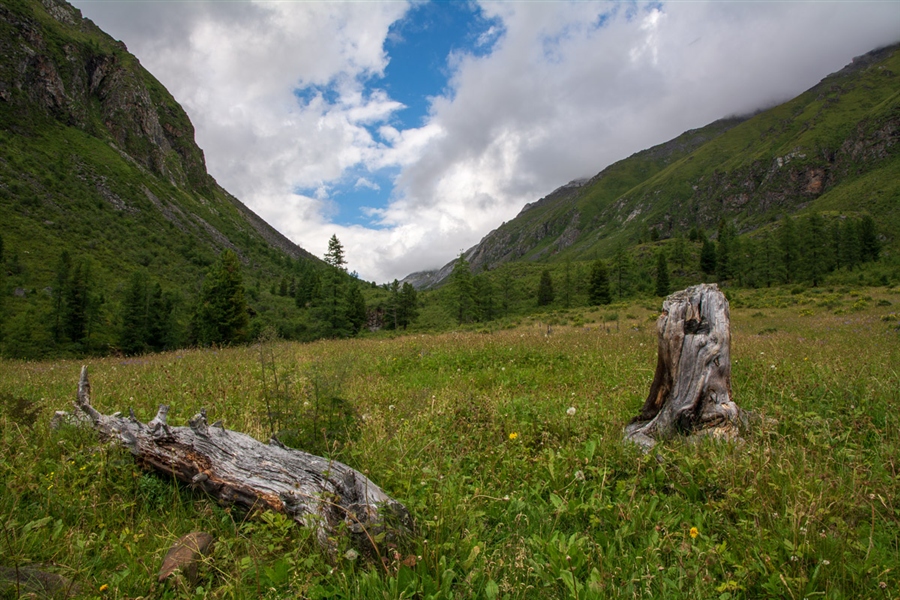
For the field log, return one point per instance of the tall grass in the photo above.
(513, 496)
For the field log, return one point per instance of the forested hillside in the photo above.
(830, 153)
(110, 220)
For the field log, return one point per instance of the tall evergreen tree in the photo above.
(133, 335)
(355, 308)
(221, 316)
(869, 244)
(545, 289)
(567, 283)
(462, 291)
(409, 304)
(484, 298)
(787, 241)
(725, 250)
(662, 275)
(335, 254)
(813, 258)
(598, 292)
(621, 271)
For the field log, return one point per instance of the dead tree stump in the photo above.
(235, 468)
(691, 390)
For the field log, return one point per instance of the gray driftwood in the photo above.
(691, 390)
(235, 468)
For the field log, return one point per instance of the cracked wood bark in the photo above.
(691, 390)
(235, 468)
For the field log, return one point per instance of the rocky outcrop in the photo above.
(96, 86)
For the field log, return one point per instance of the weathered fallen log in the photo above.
(691, 390)
(235, 468)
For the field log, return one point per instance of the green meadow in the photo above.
(514, 494)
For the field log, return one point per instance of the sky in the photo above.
(412, 129)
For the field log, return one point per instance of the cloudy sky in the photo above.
(412, 129)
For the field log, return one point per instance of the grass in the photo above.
(513, 497)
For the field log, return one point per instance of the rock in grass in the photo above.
(184, 555)
(36, 582)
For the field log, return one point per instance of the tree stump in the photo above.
(235, 468)
(691, 390)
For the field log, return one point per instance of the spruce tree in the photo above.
(355, 308)
(621, 270)
(409, 304)
(335, 254)
(462, 291)
(787, 241)
(133, 335)
(869, 244)
(484, 298)
(662, 275)
(221, 316)
(813, 259)
(545, 289)
(599, 289)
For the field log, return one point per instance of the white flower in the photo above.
(579, 475)
(391, 407)
(571, 411)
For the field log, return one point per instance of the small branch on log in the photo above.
(691, 390)
(235, 468)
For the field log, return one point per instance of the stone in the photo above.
(184, 555)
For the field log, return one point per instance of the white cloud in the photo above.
(567, 88)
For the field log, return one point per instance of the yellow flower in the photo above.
(694, 532)
(104, 587)
(513, 435)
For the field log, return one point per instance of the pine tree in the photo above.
(869, 244)
(599, 289)
(787, 241)
(621, 270)
(355, 308)
(813, 259)
(725, 250)
(133, 335)
(335, 254)
(221, 316)
(484, 297)
(662, 275)
(462, 291)
(409, 304)
(545, 289)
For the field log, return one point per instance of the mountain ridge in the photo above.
(750, 169)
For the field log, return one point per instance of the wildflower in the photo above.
(579, 475)
(104, 587)
(694, 532)
(391, 407)
(794, 558)
(513, 435)
(571, 411)
(826, 562)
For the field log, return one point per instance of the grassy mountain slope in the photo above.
(98, 159)
(833, 148)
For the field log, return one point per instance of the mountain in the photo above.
(99, 161)
(831, 149)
